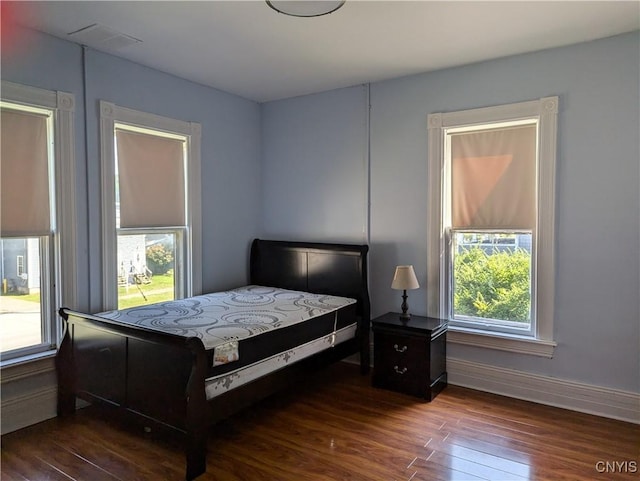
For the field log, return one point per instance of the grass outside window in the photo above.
(160, 289)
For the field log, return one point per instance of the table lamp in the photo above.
(403, 279)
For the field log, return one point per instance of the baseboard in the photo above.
(586, 398)
(22, 411)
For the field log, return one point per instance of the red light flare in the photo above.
(13, 40)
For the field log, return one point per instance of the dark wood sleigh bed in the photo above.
(159, 378)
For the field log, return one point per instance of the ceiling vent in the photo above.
(102, 38)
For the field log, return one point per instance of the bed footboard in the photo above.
(157, 377)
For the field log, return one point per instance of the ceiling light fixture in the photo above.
(305, 8)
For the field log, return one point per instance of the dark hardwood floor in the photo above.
(340, 428)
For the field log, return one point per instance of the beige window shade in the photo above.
(150, 180)
(24, 169)
(493, 179)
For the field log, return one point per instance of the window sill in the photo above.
(26, 366)
(501, 342)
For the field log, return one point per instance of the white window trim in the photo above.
(65, 261)
(546, 110)
(110, 114)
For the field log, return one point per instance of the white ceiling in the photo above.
(246, 48)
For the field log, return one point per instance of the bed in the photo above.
(173, 365)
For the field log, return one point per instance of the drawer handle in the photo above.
(399, 349)
(399, 371)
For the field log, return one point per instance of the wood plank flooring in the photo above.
(340, 428)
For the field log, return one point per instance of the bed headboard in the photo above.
(336, 269)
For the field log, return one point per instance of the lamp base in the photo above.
(405, 316)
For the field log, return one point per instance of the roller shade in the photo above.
(493, 179)
(24, 169)
(151, 180)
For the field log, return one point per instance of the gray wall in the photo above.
(597, 312)
(231, 183)
(314, 164)
(231, 173)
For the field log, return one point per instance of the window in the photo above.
(21, 272)
(489, 186)
(37, 264)
(151, 208)
(491, 224)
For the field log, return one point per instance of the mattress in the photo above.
(244, 326)
(221, 383)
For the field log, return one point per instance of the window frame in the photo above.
(58, 249)
(110, 115)
(545, 111)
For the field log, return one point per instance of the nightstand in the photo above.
(410, 357)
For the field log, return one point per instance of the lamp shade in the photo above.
(404, 278)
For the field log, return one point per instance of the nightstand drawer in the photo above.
(402, 377)
(394, 349)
